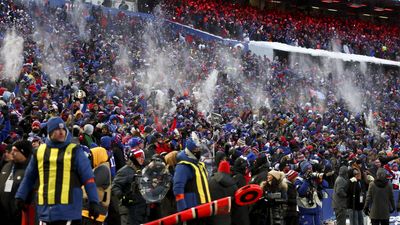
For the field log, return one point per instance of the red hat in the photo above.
(224, 167)
(36, 123)
(292, 174)
(137, 153)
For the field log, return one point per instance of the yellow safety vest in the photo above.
(201, 180)
(56, 176)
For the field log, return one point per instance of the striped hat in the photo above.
(292, 174)
(136, 153)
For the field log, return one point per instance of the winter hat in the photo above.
(35, 124)
(192, 143)
(278, 175)
(241, 142)
(135, 141)
(88, 129)
(224, 167)
(240, 165)
(55, 123)
(136, 153)
(25, 147)
(305, 165)
(292, 174)
(105, 142)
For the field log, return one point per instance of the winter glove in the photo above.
(94, 210)
(353, 179)
(366, 211)
(20, 204)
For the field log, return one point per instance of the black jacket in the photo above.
(240, 214)
(291, 200)
(125, 184)
(8, 211)
(221, 185)
(356, 194)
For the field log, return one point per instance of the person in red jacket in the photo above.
(161, 145)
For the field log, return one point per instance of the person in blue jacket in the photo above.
(61, 168)
(190, 184)
(309, 186)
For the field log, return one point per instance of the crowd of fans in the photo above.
(104, 102)
(294, 27)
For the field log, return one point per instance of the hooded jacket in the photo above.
(339, 198)
(57, 212)
(240, 214)
(221, 185)
(272, 210)
(102, 177)
(380, 198)
(186, 184)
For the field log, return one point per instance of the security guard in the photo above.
(61, 169)
(190, 178)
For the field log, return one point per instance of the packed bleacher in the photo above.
(298, 28)
(141, 91)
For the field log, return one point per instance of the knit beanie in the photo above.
(224, 167)
(105, 142)
(25, 147)
(305, 165)
(292, 174)
(35, 124)
(136, 153)
(55, 123)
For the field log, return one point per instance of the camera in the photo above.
(316, 175)
(274, 195)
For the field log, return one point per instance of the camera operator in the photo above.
(272, 209)
(125, 186)
(309, 186)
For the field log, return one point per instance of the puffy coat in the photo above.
(56, 212)
(240, 214)
(356, 193)
(339, 198)
(380, 198)
(221, 185)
